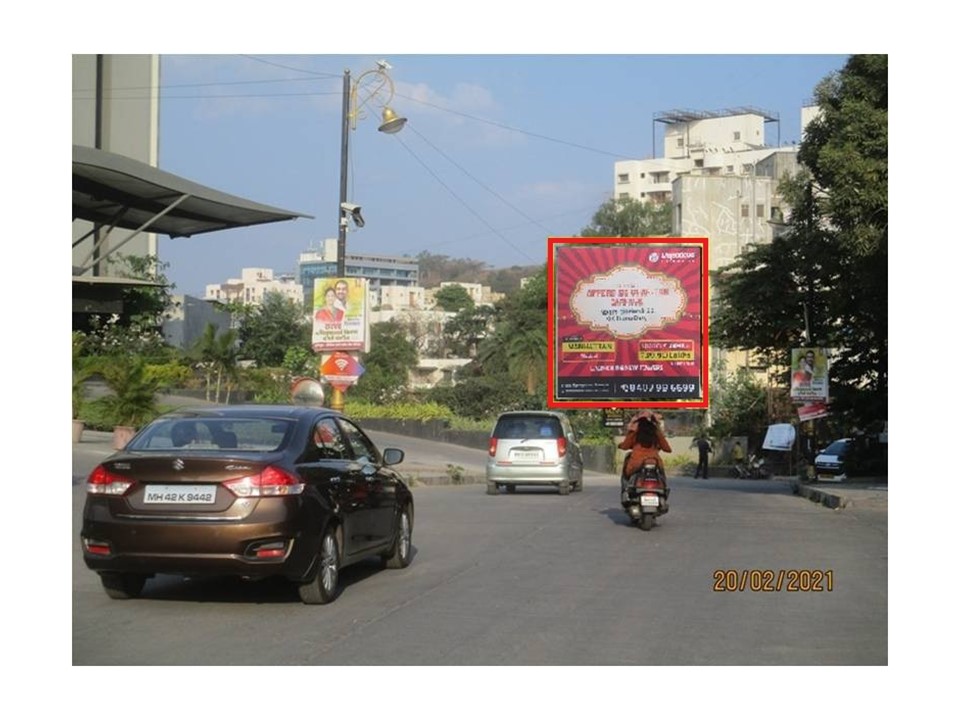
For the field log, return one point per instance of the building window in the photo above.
(624, 196)
(698, 163)
(729, 169)
(760, 210)
(744, 211)
(642, 175)
(623, 178)
(736, 135)
(679, 142)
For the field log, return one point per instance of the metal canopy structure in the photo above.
(113, 191)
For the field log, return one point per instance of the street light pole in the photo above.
(344, 155)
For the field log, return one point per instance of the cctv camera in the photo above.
(354, 211)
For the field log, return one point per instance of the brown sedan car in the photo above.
(250, 491)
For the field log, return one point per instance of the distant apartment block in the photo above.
(381, 270)
(719, 176)
(252, 285)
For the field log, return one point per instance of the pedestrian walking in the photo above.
(703, 461)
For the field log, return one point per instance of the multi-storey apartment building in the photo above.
(719, 175)
(380, 270)
(252, 285)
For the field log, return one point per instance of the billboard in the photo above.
(809, 376)
(627, 322)
(340, 314)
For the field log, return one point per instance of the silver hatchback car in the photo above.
(534, 447)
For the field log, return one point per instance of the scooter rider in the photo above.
(644, 440)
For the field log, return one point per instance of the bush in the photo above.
(169, 375)
(361, 409)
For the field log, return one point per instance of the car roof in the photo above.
(548, 413)
(278, 412)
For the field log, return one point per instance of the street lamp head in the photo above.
(392, 123)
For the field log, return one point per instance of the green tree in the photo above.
(387, 366)
(139, 329)
(453, 298)
(828, 272)
(628, 217)
(464, 332)
(267, 332)
(738, 405)
(518, 345)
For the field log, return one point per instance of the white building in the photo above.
(730, 142)
(252, 285)
(381, 270)
(401, 297)
(480, 294)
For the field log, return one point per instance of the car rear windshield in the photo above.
(838, 448)
(527, 427)
(243, 434)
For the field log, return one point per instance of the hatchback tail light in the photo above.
(104, 482)
(492, 449)
(561, 446)
(271, 482)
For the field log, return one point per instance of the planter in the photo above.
(122, 435)
(77, 431)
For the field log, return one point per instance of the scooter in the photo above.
(756, 468)
(644, 494)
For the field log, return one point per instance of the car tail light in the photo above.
(492, 450)
(561, 446)
(268, 550)
(97, 547)
(104, 482)
(271, 482)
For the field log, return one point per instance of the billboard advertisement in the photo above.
(627, 322)
(809, 377)
(339, 314)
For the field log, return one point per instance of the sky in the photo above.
(500, 151)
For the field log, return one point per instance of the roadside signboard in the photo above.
(341, 370)
(809, 375)
(627, 322)
(340, 314)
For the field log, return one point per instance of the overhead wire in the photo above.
(319, 75)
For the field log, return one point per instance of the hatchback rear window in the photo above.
(243, 434)
(528, 427)
(838, 448)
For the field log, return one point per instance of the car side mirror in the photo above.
(392, 456)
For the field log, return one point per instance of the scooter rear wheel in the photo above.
(646, 521)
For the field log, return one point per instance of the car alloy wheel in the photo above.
(323, 588)
(402, 545)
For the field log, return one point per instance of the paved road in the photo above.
(537, 579)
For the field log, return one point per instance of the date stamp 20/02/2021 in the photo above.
(758, 580)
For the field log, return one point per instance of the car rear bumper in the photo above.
(198, 547)
(528, 474)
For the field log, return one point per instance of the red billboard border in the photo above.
(704, 326)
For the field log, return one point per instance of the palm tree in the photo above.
(225, 355)
(527, 357)
(217, 353)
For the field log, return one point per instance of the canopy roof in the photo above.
(118, 191)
